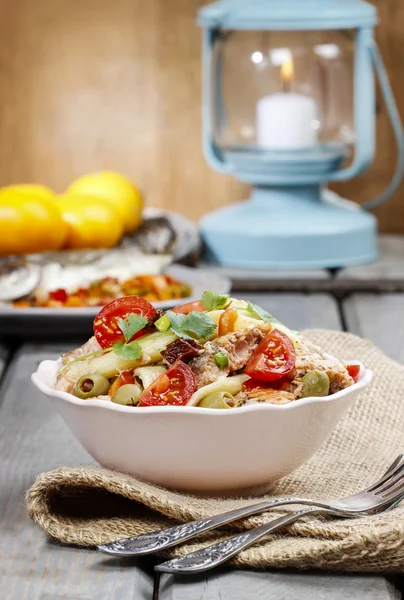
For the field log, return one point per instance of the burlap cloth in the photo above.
(90, 505)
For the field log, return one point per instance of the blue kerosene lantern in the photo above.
(289, 105)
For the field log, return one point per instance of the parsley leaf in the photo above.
(258, 312)
(193, 325)
(213, 300)
(131, 351)
(131, 325)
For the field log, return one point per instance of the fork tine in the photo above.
(390, 482)
(394, 469)
(394, 464)
(396, 491)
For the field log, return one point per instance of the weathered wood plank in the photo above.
(389, 267)
(33, 438)
(299, 311)
(3, 359)
(265, 280)
(378, 317)
(270, 585)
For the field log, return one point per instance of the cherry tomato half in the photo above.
(274, 358)
(106, 328)
(184, 309)
(175, 387)
(354, 371)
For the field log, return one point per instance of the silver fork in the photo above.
(158, 540)
(390, 494)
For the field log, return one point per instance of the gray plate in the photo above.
(50, 323)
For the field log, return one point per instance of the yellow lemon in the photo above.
(92, 222)
(32, 189)
(117, 190)
(29, 224)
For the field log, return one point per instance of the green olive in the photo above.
(91, 385)
(315, 383)
(128, 394)
(218, 400)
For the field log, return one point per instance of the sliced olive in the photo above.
(91, 385)
(218, 400)
(128, 394)
(315, 383)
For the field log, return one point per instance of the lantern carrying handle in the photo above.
(212, 153)
(359, 165)
(397, 127)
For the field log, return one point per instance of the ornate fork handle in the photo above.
(166, 538)
(212, 556)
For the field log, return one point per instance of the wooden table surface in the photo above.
(33, 438)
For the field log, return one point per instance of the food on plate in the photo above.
(91, 222)
(117, 190)
(155, 235)
(219, 353)
(29, 223)
(99, 281)
(18, 277)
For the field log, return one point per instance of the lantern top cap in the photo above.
(287, 14)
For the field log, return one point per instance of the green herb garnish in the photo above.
(195, 325)
(213, 300)
(131, 325)
(221, 359)
(128, 351)
(258, 312)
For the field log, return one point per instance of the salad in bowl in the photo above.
(213, 397)
(218, 352)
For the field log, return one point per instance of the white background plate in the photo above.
(76, 322)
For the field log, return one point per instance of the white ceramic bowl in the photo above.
(199, 450)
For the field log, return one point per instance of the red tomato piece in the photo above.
(184, 309)
(274, 358)
(106, 328)
(227, 321)
(59, 295)
(354, 371)
(175, 387)
(126, 377)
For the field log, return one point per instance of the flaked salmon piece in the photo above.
(90, 346)
(238, 346)
(267, 395)
(310, 358)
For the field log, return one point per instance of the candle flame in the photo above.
(287, 71)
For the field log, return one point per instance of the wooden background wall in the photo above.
(92, 84)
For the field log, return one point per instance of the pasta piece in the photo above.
(233, 385)
(149, 374)
(110, 364)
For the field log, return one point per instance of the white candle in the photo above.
(287, 121)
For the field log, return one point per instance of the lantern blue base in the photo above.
(291, 228)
